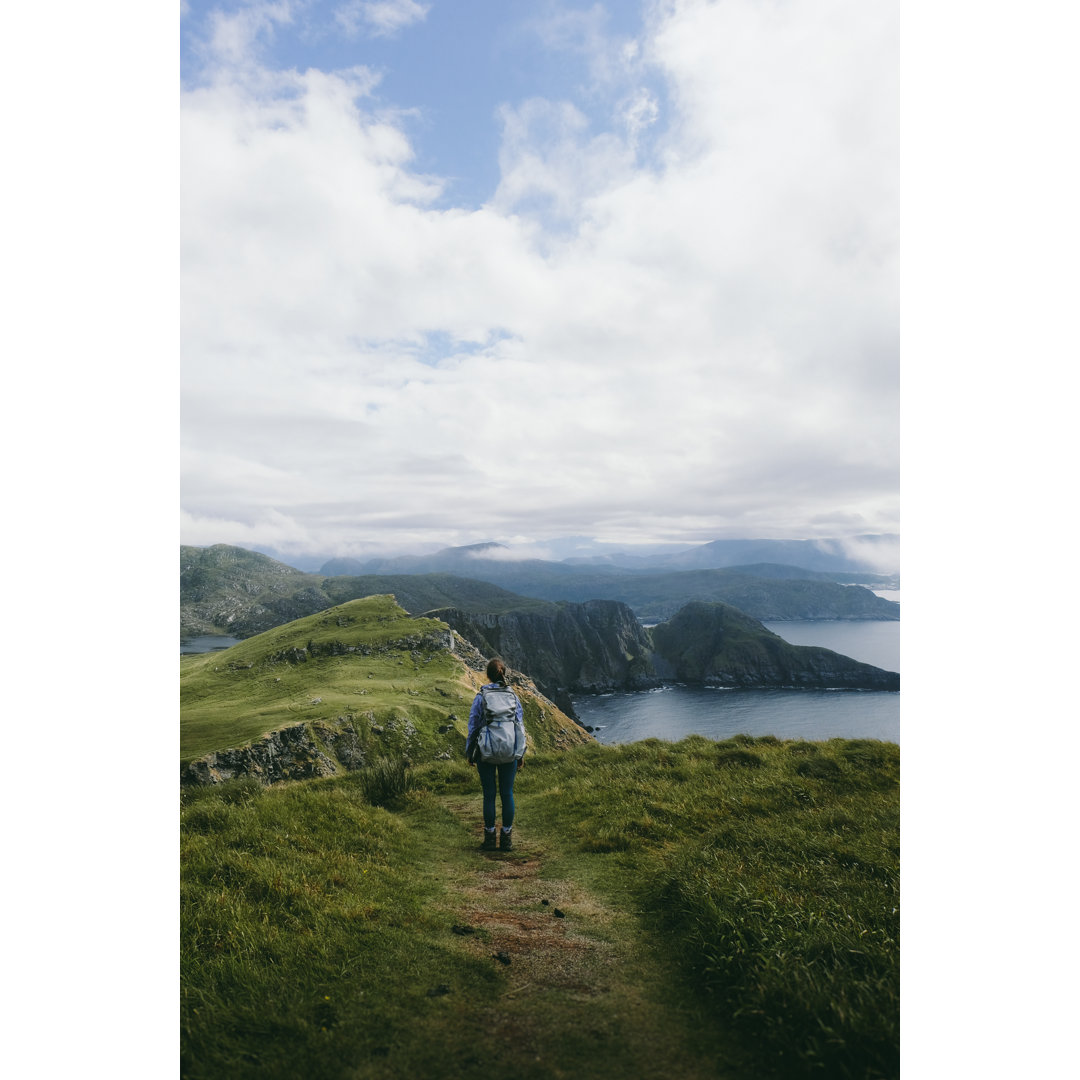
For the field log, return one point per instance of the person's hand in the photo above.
(521, 764)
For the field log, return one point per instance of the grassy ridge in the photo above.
(366, 661)
(315, 926)
(231, 697)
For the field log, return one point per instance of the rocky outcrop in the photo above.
(580, 648)
(417, 645)
(293, 753)
(719, 645)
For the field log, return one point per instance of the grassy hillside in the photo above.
(365, 663)
(696, 909)
(419, 593)
(226, 589)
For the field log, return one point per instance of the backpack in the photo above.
(500, 738)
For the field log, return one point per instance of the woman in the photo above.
(503, 773)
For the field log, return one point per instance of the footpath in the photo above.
(579, 994)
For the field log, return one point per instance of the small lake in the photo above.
(207, 643)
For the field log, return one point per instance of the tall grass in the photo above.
(309, 943)
(385, 781)
(770, 870)
(315, 925)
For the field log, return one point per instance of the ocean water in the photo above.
(673, 712)
(876, 643)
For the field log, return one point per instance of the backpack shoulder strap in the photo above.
(485, 715)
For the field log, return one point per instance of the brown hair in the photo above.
(496, 670)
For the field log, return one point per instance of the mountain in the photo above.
(822, 555)
(566, 648)
(856, 555)
(421, 593)
(719, 645)
(230, 590)
(766, 591)
(225, 589)
(448, 560)
(600, 645)
(338, 690)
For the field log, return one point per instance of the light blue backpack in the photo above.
(501, 738)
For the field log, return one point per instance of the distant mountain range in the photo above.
(829, 556)
(229, 590)
(661, 584)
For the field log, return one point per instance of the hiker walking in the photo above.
(496, 746)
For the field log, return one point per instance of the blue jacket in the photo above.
(476, 713)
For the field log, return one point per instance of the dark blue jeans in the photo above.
(506, 775)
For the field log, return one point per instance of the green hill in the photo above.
(339, 689)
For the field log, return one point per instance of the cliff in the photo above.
(574, 648)
(600, 646)
(719, 645)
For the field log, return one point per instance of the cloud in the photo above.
(380, 18)
(233, 38)
(695, 346)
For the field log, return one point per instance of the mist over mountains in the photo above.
(871, 554)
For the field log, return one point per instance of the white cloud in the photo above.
(700, 349)
(234, 36)
(380, 18)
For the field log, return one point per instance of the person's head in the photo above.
(496, 670)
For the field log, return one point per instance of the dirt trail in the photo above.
(555, 934)
(575, 976)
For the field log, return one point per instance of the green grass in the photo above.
(746, 893)
(773, 871)
(366, 662)
(299, 906)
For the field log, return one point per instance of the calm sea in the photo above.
(674, 712)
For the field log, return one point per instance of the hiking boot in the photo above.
(489, 841)
(506, 841)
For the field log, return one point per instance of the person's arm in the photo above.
(474, 724)
(475, 713)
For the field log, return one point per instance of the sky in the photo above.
(454, 272)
